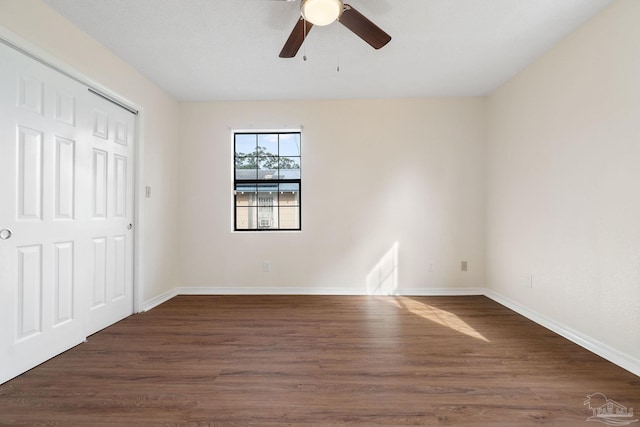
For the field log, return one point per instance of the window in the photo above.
(267, 181)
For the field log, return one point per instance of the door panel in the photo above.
(63, 276)
(64, 191)
(99, 176)
(29, 284)
(29, 170)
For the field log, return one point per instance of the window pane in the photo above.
(248, 161)
(245, 195)
(289, 218)
(246, 218)
(267, 188)
(245, 144)
(245, 155)
(246, 188)
(290, 144)
(267, 198)
(246, 173)
(289, 195)
(267, 217)
(268, 144)
(289, 163)
(268, 168)
(289, 167)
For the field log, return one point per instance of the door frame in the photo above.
(31, 50)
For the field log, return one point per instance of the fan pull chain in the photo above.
(304, 40)
(337, 47)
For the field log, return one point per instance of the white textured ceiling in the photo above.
(201, 50)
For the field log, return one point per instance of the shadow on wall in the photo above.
(383, 278)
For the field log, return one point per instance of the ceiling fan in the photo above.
(324, 12)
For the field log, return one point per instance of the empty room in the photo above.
(312, 212)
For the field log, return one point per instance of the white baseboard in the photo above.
(442, 292)
(248, 290)
(609, 353)
(156, 301)
(603, 350)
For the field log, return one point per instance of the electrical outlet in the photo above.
(266, 266)
(463, 266)
(147, 191)
(431, 267)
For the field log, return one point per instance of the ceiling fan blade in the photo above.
(296, 38)
(363, 28)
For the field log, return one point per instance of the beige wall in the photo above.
(563, 182)
(374, 173)
(39, 25)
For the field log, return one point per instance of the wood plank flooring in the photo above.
(318, 361)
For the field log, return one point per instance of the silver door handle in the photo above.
(129, 227)
(5, 234)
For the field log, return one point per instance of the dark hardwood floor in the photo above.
(318, 361)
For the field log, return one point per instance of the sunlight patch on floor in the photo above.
(436, 315)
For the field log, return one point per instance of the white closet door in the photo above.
(111, 213)
(54, 251)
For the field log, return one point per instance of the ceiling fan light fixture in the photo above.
(321, 12)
